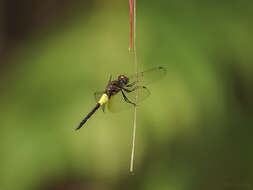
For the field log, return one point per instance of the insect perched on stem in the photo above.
(123, 90)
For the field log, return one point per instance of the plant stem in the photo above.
(136, 98)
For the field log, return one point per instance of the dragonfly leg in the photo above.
(126, 99)
(131, 90)
(127, 90)
(131, 84)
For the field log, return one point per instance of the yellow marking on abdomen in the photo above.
(103, 99)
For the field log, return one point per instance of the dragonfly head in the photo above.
(123, 80)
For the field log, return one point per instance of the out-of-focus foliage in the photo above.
(193, 132)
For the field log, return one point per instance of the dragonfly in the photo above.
(122, 91)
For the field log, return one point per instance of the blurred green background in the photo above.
(193, 132)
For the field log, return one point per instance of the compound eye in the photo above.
(121, 77)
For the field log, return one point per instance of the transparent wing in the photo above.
(117, 102)
(148, 76)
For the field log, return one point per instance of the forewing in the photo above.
(117, 102)
(148, 76)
